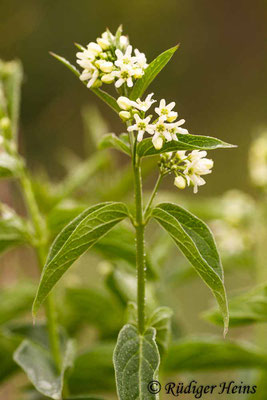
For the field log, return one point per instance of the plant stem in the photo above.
(153, 194)
(140, 246)
(40, 247)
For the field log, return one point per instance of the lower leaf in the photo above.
(136, 361)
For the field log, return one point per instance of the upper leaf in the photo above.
(107, 98)
(210, 353)
(196, 242)
(136, 362)
(184, 142)
(77, 237)
(245, 309)
(151, 72)
(118, 142)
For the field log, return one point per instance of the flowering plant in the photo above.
(144, 338)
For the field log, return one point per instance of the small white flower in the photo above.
(141, 126)
(157, 142)
(144, 105)
(104, 41)
(138, 73)
(166, 110)
(175, 128)
(105, 66)
(140, 59)
(197, 165)
(124, 103)
(124, 41)
(180, 182)
(124, 59)
(125, 115)
(161, 128)
(107, 78)
(94, 48)
(91, 75)
(124, 76)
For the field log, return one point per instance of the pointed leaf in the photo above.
(151, 72)
(104, 96)
(197, 354)
(196, 242)
(136, 362)
(161, 321)
(117, 142)
(245, 309)
(78, 236)
(37, 363)
(184, 142)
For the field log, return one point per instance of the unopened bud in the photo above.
(107, 78)
(103, 43)
(125, 115)
(106, 66)
(158, 143)
(180, 182)
(124, 103)
(94, 48)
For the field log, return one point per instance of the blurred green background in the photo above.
(217, 78)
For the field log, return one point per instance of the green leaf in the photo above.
(76, 238)
(9, 166)
(16, 300)
(161, 321)
(14, 231)
(84, 398)
(117, 142)
(136, 361)
(90, 305)
(37, 363)
(196, 242)
(245, 309)
(210, 353)
(151, 72)
(104, 96)
(184, 142)
(93, 371)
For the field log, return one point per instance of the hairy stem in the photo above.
(140, 246)
(41, 251)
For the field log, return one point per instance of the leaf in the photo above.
(8, 166)
(210, 353)
(84, 398)
(93, 371)
(107, 98)
(37, 363)
(161, 321)
(117, 142)
(76, 238)
(196, 242)
(14, 230)
(16, 300)
(151, 72)
(136, 361)
(184, 142)
(90, 305)
(245, 309)
(8, 345)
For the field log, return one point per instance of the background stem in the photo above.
(40, 246)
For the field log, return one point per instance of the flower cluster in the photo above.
(163, 128)
(258, 161)
(187, 168)
(110, 60)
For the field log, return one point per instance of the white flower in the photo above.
(141, 126)
(104, 41)
(107, 78)
(94, 48)
(90, 75)
(175, 128)
(161, 128)
(124, 59)
(166, 110)
(180, 182)
(197, 165)
(125, 76)
(144, 105)
(140, 59)
(105, 66)
(124, 41)
(124, 103)
(85, 59)
(157, 142)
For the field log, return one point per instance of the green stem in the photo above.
(140, 246)
(40, 247)
(153, 194)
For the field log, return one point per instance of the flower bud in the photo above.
(158, 143)
(106, 66)
(94, 48)
(125, 115)
(124, 103)
(180, 182)
(97, 84)
(107, 78)
(124, 41)
(103, 43)
(172, 116)
(138, 73)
